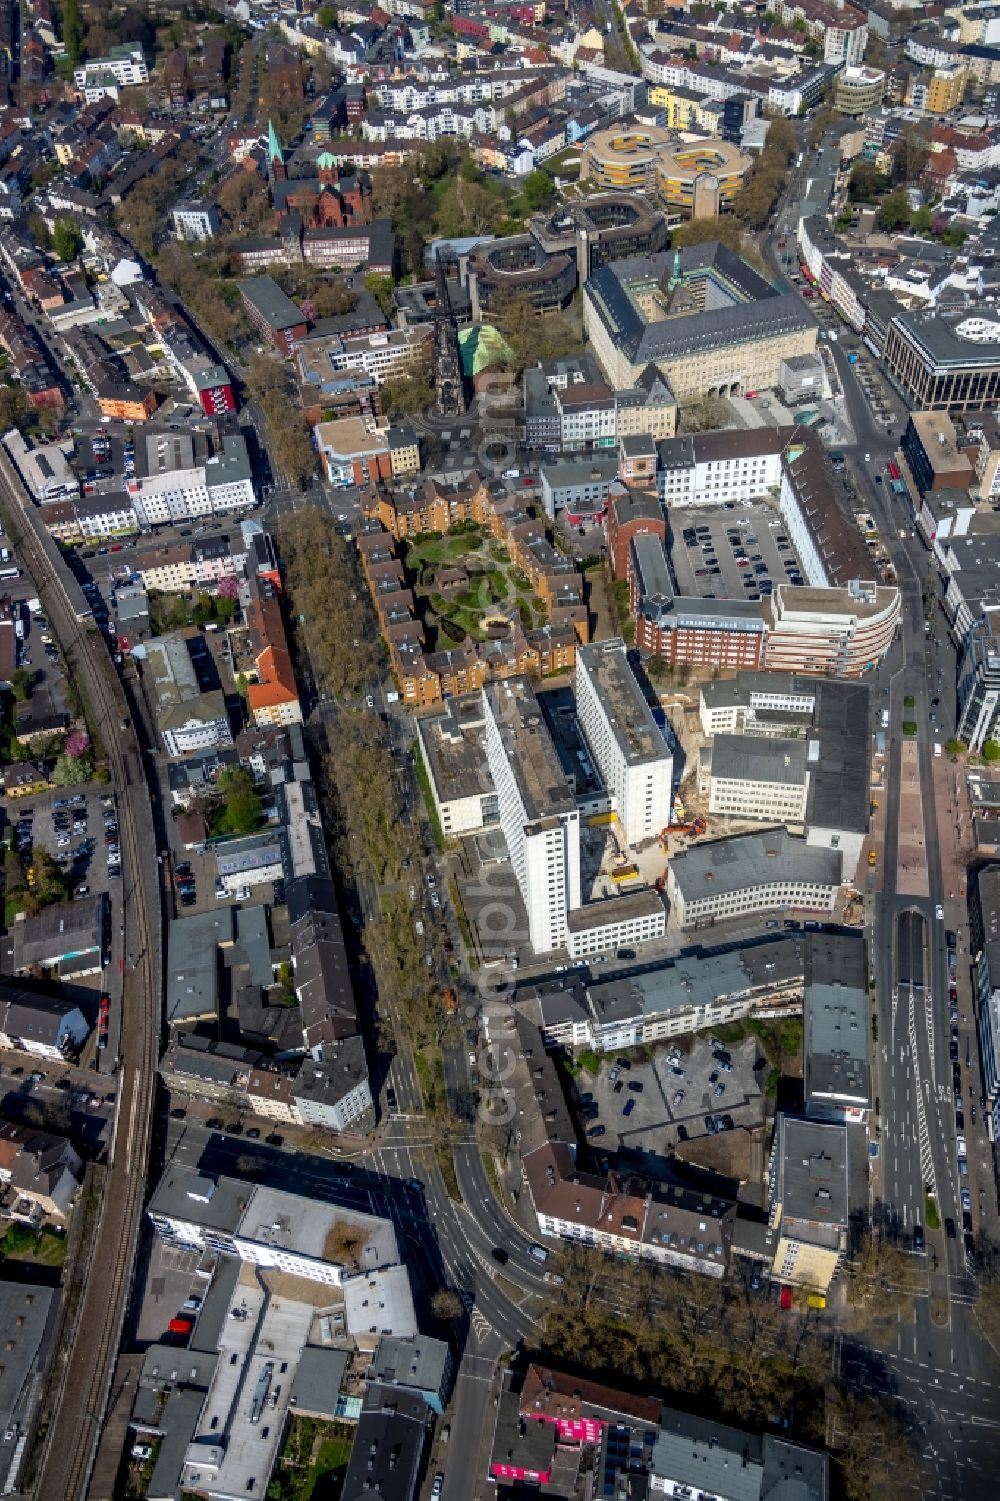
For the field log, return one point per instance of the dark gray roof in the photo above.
(277, 310)
(756, 310)
(839, 786)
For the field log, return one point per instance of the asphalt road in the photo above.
(941, 1369)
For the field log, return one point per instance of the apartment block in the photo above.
(536, 808)
(624, 739)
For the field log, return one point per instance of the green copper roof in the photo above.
(274, 151)
(481, 346)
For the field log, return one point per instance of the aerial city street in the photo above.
(500, 957)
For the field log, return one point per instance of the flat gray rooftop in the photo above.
(623, 702)
(541, 781)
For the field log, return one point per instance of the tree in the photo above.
(244, 203)
(326, 17)
(866, 181)
(72, 29)
(909, 157)
(412, 392)
(46, 882)
(539, 190)
(381, 289)
(40, 232)
(447, 1305)
(895, 211)
(21, 681)
(67, 239)
(72, 771)
(991, 751)
(240, 812)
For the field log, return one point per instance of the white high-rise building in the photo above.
(537, 810)
(624, 739)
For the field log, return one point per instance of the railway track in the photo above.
(75, 1418)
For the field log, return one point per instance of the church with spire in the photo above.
(276, 169)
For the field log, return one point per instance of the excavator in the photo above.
(694, 826)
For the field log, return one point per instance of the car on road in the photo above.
(500, 1255)
(918, 1237)
(437, 1487)
(939, 912)
(595, 1132)
(274, 1140)
(178, 1113)
(949, 1229)
(537, 1252)
(214, 1123)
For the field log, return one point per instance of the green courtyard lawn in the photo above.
(495, 584)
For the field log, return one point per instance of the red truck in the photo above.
(180, 1326)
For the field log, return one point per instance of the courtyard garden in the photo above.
(467, 585)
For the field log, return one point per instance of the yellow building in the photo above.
(946, 89)
(699, 176)
(808, 1202)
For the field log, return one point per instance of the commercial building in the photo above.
(710, 469)
(697, 990)
(545, 1414)
(536, 808)
(934, 457)
(808, 1201)
(269, 1228)
(840, 632)
(836, 1050)
(70, 935)
(27, 1315)
(682, 629)
(334, 1092)
(985, 945)
(979, 683)
(276, 316)
(624, 739)
(944, 361)
(756, 779)
(364, 450)
(698, 177)
(703, 317)
(195, 220)
(750, 874)
(579, 488)
(188, 718)
(858, 89)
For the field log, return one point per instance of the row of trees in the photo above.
(365, 798)
(756, 198)
(271, 385)
(702, 1340)
(331, 603)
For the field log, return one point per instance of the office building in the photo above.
(703, 317)
(757, 779)
(836, 1047)
(750, 874)
(624, 739)
(808, 1201)
(536, 808)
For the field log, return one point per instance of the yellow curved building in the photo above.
(699, 177)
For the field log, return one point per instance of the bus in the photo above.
(894, 471)
(9, 573)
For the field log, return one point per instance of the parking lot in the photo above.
(738, 553)
(79, 829)
(651, 1106)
